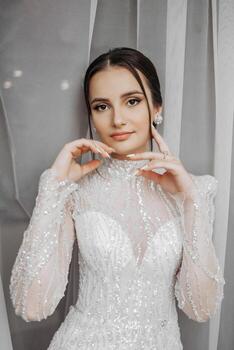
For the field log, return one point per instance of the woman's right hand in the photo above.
(67, 168)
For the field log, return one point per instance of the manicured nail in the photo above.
(98, 149)
(130, 155)
(136, 172)
(144, 167)
(101, 150)
(107, 154)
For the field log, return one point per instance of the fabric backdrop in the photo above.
(46, 46)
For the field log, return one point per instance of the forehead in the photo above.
(114, 80)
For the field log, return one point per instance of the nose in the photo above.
(118, 118)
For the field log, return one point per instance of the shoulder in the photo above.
(206, 184)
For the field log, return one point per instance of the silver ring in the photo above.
(165, 154)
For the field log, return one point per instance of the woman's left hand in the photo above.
(176, 178)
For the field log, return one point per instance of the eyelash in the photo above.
(134, 99)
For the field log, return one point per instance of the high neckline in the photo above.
(116, 166)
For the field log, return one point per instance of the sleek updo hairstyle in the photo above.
(130, 59)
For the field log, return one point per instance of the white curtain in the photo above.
(4, 326)
(45, 49)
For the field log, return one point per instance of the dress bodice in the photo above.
(129, 251)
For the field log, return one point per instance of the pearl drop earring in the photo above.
(157, 120)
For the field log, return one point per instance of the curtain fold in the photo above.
(5, 336)
(45, 49)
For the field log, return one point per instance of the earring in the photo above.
(157, 120)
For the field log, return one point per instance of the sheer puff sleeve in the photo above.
(40, 273)
(199, 281)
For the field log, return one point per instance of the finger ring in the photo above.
(165, 154)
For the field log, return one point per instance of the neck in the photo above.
(118, 156)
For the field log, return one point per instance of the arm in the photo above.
(199, 281)
(40, 272)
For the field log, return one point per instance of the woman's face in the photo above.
(118, 105)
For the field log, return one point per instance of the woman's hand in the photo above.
(65, 164)
(176, 178)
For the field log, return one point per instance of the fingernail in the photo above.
(101, 150)
(107, 154)
(98, 149)
(144, 167)
(130, 155)
(136, 172)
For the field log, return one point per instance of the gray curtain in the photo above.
(45, 48)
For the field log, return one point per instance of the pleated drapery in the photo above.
(45, 49)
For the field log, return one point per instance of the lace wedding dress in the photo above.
(140, 249)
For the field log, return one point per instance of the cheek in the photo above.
(141, 122)
(143, 133)
(100, 123)
(141, 125)
(140, 114)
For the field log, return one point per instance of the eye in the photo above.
(97, 108)
(134, 99)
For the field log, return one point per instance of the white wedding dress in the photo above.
(140, 249)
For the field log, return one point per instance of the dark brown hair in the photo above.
(130, 59)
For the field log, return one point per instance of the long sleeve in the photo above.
(199, 281)
(40, 273)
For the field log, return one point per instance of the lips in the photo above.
(121, 136)
(122, 133)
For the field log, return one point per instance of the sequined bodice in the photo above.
(131, 240)
(129, 250)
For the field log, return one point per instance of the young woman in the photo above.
(144, 237)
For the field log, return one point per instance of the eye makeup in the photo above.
(131, 99)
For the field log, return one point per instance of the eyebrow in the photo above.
(123, 95)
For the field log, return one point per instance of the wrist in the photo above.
(58, 176)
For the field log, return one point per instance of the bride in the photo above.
(144, 237)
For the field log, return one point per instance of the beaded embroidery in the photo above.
(140, 249)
